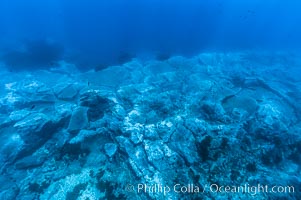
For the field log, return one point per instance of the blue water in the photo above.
(150, 99)
(99, 31)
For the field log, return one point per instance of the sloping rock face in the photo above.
(182, 128)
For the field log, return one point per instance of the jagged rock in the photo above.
(136, 136)
(64, 68)
(34, 130)
(82, 135)
(125, 145)
(154, 150)
(110, 77)
(203, 85)
(69, 186)
(181, 63)
(129, 93)
(67, 93)
(213, 118)
(137, 157)
(11, 145)
(187, 150)
(63, 111)
(157, 67)
(212, 111)
(240, 106)
(151, 132)
(110, 149)
(35, 92)
(4, 121)
(136, 72)
(96, 104)
(12, 100)
(210, 59)
(79, 120)
(270, 113)
(10, 194)
(33, 123)
(30, 162)
(119, 111)
(19, 115)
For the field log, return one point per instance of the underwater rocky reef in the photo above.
(190, 125)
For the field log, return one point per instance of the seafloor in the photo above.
(229, 119)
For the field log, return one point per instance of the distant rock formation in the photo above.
(38, 54)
